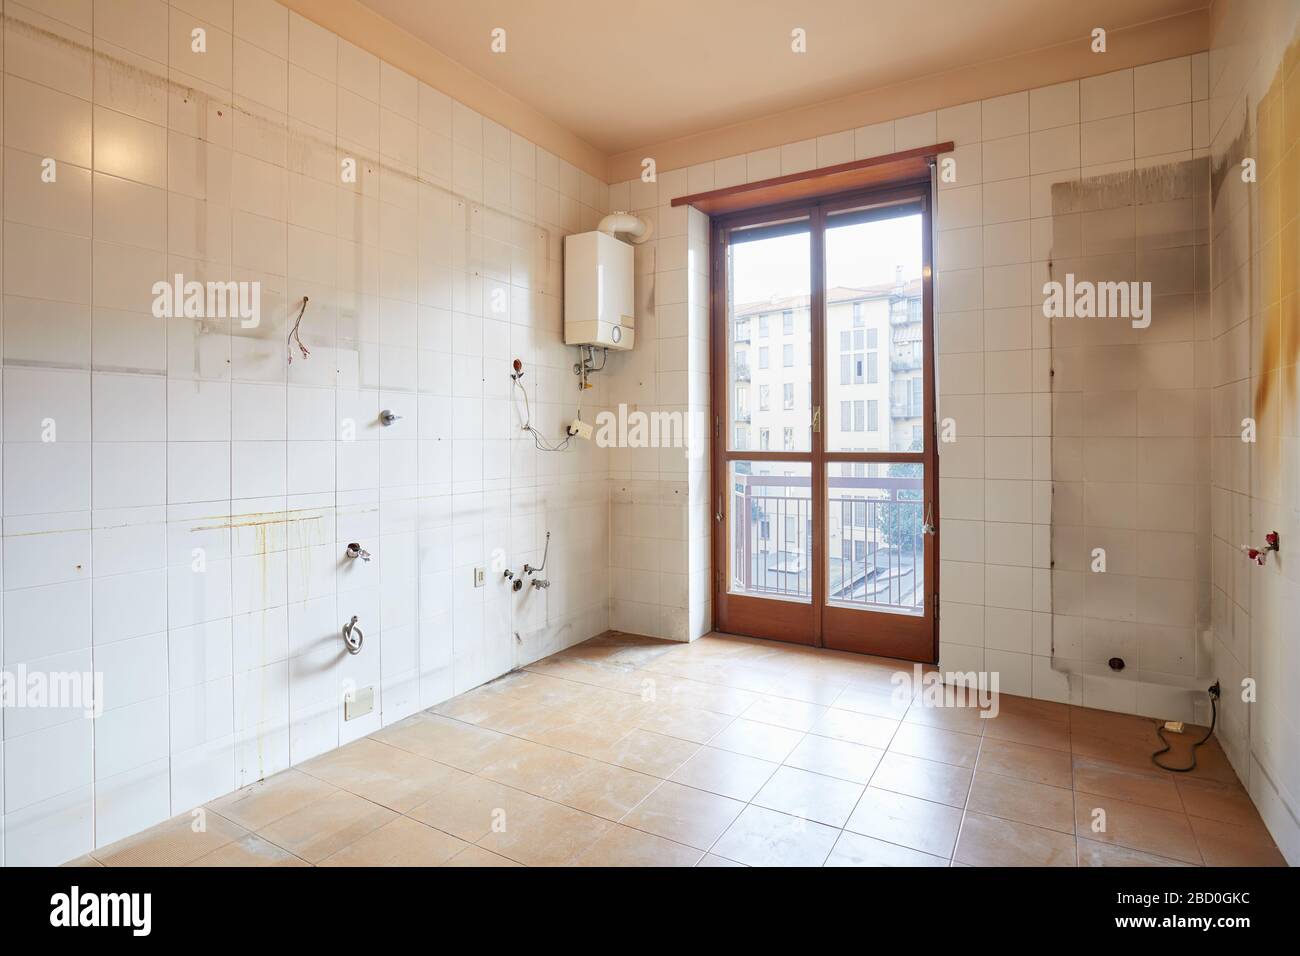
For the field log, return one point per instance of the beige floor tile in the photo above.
(933, 743)
(536, 768)
(835, 758)
(761, 837)
(854, 849)
(451, 742)
(268, 800)
(470, 809)
(604, 790)
(1039, 764)
(83, 861)
(726, 773)
(1022, 801)
(686, 723)
(648, 752)
(400, 842)
(991, 841)
(624, 846)
(869, 700)
(1092, 853)
(1226, 844)
(718, 861)
(926, 779)
(954, 719)
(784, 712)
(397, 779)
(545, 834)
(755, 739)
(812, 796)
(173, 843)
(866, 729)
(1149, 788)
(1224, 802)
(897, 818)
(327, 825)
(684, 815)
(1138, 827)
(250, 850)
(476, 856)
(1131, 752)
(1034, 731)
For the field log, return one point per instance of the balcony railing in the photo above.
(875, 550)
(904, 363)
(905, 410)
(740, 372)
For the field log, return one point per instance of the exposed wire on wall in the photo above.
(294, 335)
(540, 440)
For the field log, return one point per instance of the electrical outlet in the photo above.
(359, 703)
(480, 577)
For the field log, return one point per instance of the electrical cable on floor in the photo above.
(1160, 732)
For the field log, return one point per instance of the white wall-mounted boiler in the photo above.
(598, 284)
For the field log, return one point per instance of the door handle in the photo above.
(928, 526)
(817, 418)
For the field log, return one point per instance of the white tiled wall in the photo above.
(184, 532)
(660, 496)
(1256, 486)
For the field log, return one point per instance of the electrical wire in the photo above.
(293, 334)
(539, 440)
(1160, 732)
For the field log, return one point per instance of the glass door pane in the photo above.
(875, 543)
(771, 529)
(769, 353)
(874, 342)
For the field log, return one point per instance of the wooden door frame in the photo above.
(795, 621)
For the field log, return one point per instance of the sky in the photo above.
(857, 255)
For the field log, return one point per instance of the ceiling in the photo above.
(623, 74)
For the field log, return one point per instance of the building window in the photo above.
(762, 326)
(788, 395)
(871, 338)
(873, 373)
(742, 400)
(851, 357)
(787, 322)
(859, 318)
(873, 415)
(846, 416)
(764, 393)
(764, 439)
(787, 356)
(788, 439)
(762, 356)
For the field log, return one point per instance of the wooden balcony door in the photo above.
(826, 505)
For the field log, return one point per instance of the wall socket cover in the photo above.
(359, 703)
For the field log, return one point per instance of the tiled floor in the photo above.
(628, 751)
